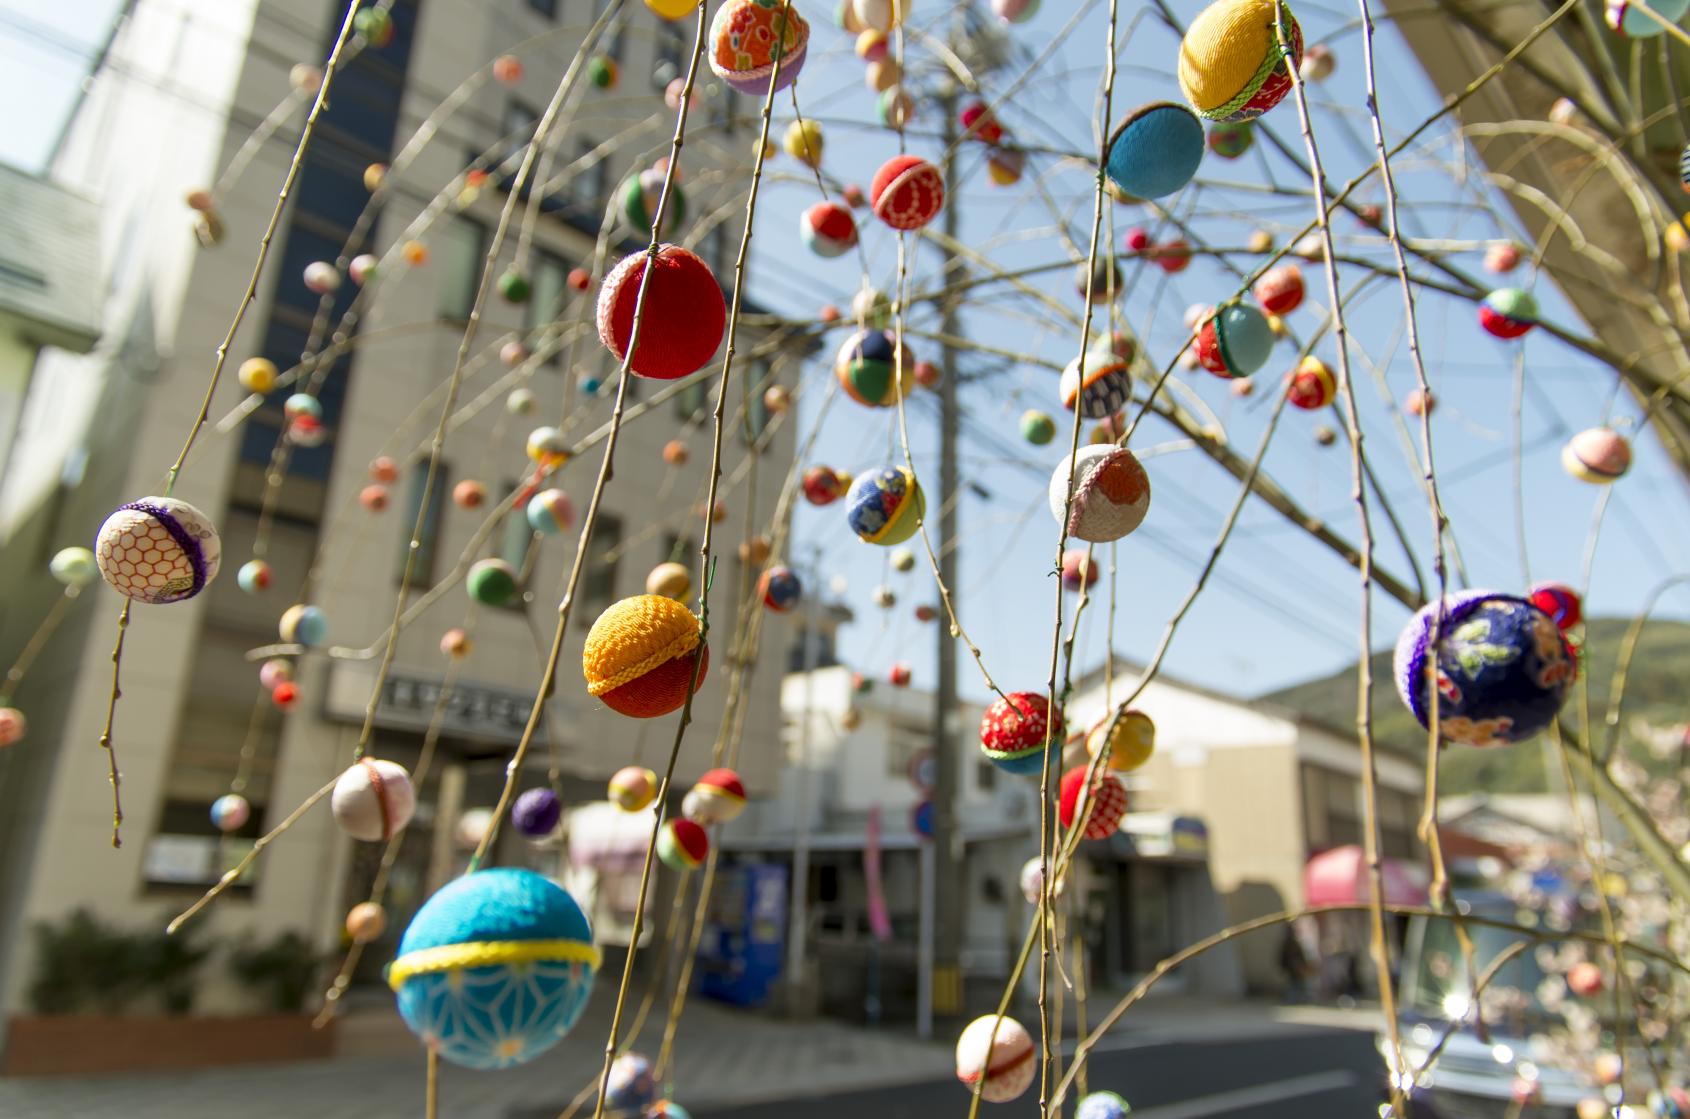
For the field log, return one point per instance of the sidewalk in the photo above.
(723, 1057)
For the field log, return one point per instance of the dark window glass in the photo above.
(693, 402)
(598, 581)
(422, 571)
(515, 535)
(518, 130)
(586, 182)
(465, 254)
(756, 412)
(547, 8)
(550, 280)
(670, 61)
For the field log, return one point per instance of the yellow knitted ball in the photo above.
(639, 656)
(1231, 64)
(673, 9)
(804, 142)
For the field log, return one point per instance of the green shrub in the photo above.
(287, 970)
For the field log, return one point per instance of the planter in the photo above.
(91, 1043)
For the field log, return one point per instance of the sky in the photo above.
(1279, 608)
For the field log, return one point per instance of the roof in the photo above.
(49, 262)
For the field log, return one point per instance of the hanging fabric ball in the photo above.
(746, 38)
(822, 485)
(881, 15)
(1231, 64)
(755, 551)
(1598, 454)
(1280, 289)
(321, 278)
(365, 922)
(994, 1052)
(779, 588)
(374, 175)
(375, 25)
(899, 675)
(1235, 342)
(631, 1087)
(1037, 427)
(303, 624)
(547, 447)
(469, 494)
(1325, 436)
(1419, 403)
(1099, 810)
(718, 512)
(73, 567)
(872, 45)
(1311, 385)
(307, 431)
(885, 597)
(684, 316)
(1155, 150)
(803, 142)
(158, 550)
(1005, 165)
(903, 560)
(1628, 20)
(514, 286)
(1317, 63)
(885, 505)
(1098, 381)
(201, 201)
(1015, 11)
(1111, 493)
(632, 788)
(667, 1109)
(1259, 241)
(550, 512)
(641, 195)
(305, 78)
(285, 695)
(718, 797)
(456, 644)
(1103, 281)
(495, 968)
(1102, 1105)
(907, 192)
(1078, 569)
(639, 656)
(1504, 256)
(1508, 312)
(491, 582)
(924, 612)
(537, 812)
(519, 402)
(828, 315)
(671, 580)
(675, 453)
(682, 845)
(384, 470)
(872, 307)
(507, 70)
(873, 369)
(1131, 744)
(1032, 881)
(274, 672)
(928, 375)
(373, 800)
(675, 91)
(882, 74)
(895, 108)
(846, 18)
(257, 374)
(580, 279)
(514, 353)
(828, 229)
(603, 71)
(373, 497)
(777, 399)
(230, 812)
(1560, 602)
(1013, 731)
(673, 9)
(1503, 668)
(1230, 139)
(978, 121)
(13, 726)
(1584, 979)
(415, 253)
(254, 576)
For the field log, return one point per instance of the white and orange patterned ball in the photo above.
(158, 550)
(373, 799)
(999, 1052)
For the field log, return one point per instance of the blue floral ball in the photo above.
(495, 968)
(632, 1087)
(1503, 668)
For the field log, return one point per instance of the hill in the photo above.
(1657, 699)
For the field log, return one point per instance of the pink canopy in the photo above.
(1340, 877)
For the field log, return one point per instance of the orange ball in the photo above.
(640, 655)
(469, 494)
(416, 253)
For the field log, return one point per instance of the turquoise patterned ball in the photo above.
(495, 968)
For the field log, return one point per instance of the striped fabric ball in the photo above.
(683, 845)
(1013, 731)
(828, 229)
(717, 797)
(639, 656)
(373, 800)
(1311, 385)
(1280, 289)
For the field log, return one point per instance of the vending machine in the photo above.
(744, 942)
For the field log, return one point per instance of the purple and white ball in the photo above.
(373, 799)
(158, 550)
(537, 812)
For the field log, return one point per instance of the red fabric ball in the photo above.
(1104, 808)
(580, 279)
(285, 694)
(1280, 290)
(660, 691)
(684, 317)
(1016, 722)
(907, 192)
(1172, 257)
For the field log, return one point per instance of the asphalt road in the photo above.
(1311, 1073)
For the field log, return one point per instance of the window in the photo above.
(515, 535)
(586, 185)
(422, 570)
(611, 42)
(551, 284)
(547, 8)
(598, 581)
(692, 403)
(518, 129)
(669, 62)
(756, 412)
(678, 548)
(985, 776)
(465, 252)
(716, 250)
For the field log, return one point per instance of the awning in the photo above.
(1340, 877)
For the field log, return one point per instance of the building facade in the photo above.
(101, 429)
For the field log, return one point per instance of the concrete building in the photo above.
(1272, 789)
(101, 429)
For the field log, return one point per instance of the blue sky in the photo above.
(1280, 607)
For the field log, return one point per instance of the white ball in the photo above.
(1111, 493)
(321, 277)
(158, 550)
(373, 799)
(1006, 1058)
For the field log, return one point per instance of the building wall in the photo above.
(153, 128)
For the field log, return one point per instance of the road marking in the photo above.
(1226, 1102)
